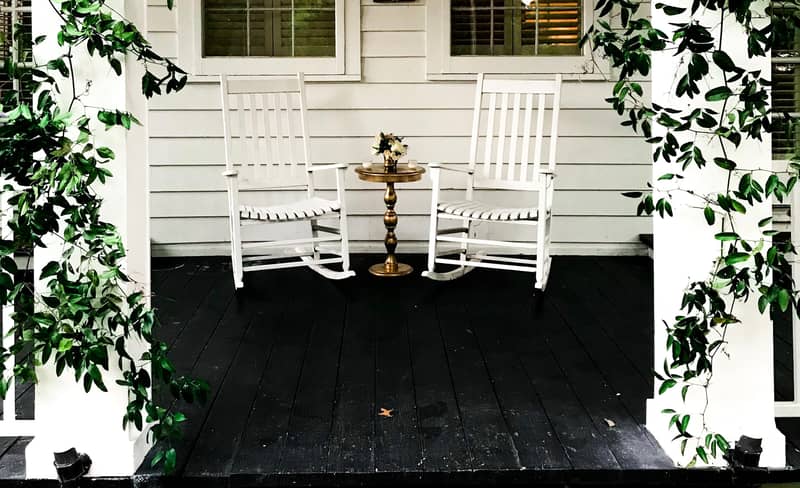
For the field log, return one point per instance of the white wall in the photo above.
(597, 158)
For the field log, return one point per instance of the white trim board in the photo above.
(346, 65)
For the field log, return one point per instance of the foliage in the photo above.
(50, 164)
(719, 116)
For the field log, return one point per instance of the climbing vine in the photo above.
(49, 162)
(719, 116)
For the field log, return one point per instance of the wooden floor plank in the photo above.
(205, 349)
(444, 446)
(306, 446)
(397, 442)
(351, 444)
(12, 460)
(481, 382)
(178, 300)
(628, 327)
(625, 437)
(268, 422)
(218, 441)
(790, 427)
(585, 318)
(584, 446)
(486, 431)
(497, 330)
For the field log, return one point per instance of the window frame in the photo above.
(441, 65)
(346, 65)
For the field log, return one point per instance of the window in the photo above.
(786, 96)
(506, 36)
(295, 28)
(270, 37)
(515, 28)
(15, 42)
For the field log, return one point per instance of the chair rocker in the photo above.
(508, 163)
(266, 150)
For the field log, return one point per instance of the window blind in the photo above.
(269, 28)
(515, 28)
(15, 44)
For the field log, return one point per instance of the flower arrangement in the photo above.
(391, 147)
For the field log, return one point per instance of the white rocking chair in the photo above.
(265, 150)
(507, 165)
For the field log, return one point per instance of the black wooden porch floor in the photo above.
(476, 377)
(483, 386)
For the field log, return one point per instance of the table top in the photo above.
(377, 174)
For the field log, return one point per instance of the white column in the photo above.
(66, 416)
(741, 393)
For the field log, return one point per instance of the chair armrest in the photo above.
(467, 171)
(324, 167)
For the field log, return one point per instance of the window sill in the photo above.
(596, 76)
(308, 77)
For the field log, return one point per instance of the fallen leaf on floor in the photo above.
(386, 412)
(610, 423)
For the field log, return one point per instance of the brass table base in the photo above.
(382, 269)
(397, 174)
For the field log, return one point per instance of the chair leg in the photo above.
(236, 252)
(464, 246)
(315, 234)
(542, 255)
(432, 242)
(345, 244)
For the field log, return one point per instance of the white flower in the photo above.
(398, 147)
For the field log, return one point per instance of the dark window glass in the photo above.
(515, 28)
(274, 28)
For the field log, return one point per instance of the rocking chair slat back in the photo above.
(508, 128)
(260, 124)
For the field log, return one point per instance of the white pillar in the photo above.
(741, 394)
(65, 415)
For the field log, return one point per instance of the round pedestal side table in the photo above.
(402, 173)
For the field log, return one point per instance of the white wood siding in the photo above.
(597, 158)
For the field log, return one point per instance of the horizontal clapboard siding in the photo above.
(598, 159)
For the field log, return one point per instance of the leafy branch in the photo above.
(50, 164)
(738, 109)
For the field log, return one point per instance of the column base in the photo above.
(112, 455)
(773, 442)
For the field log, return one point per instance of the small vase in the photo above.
(389, 165)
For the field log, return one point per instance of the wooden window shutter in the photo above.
(16, 45)
(515, 28)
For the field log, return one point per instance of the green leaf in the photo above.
(726, 236)
(724, 61)
(783, 299)
(708, 212)
(736, 257)
(702, 453)
(64, 345)
(666, 385)
(725, 163)
(50, 269)
(718, 94)
(170, 460)
(105, 153)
